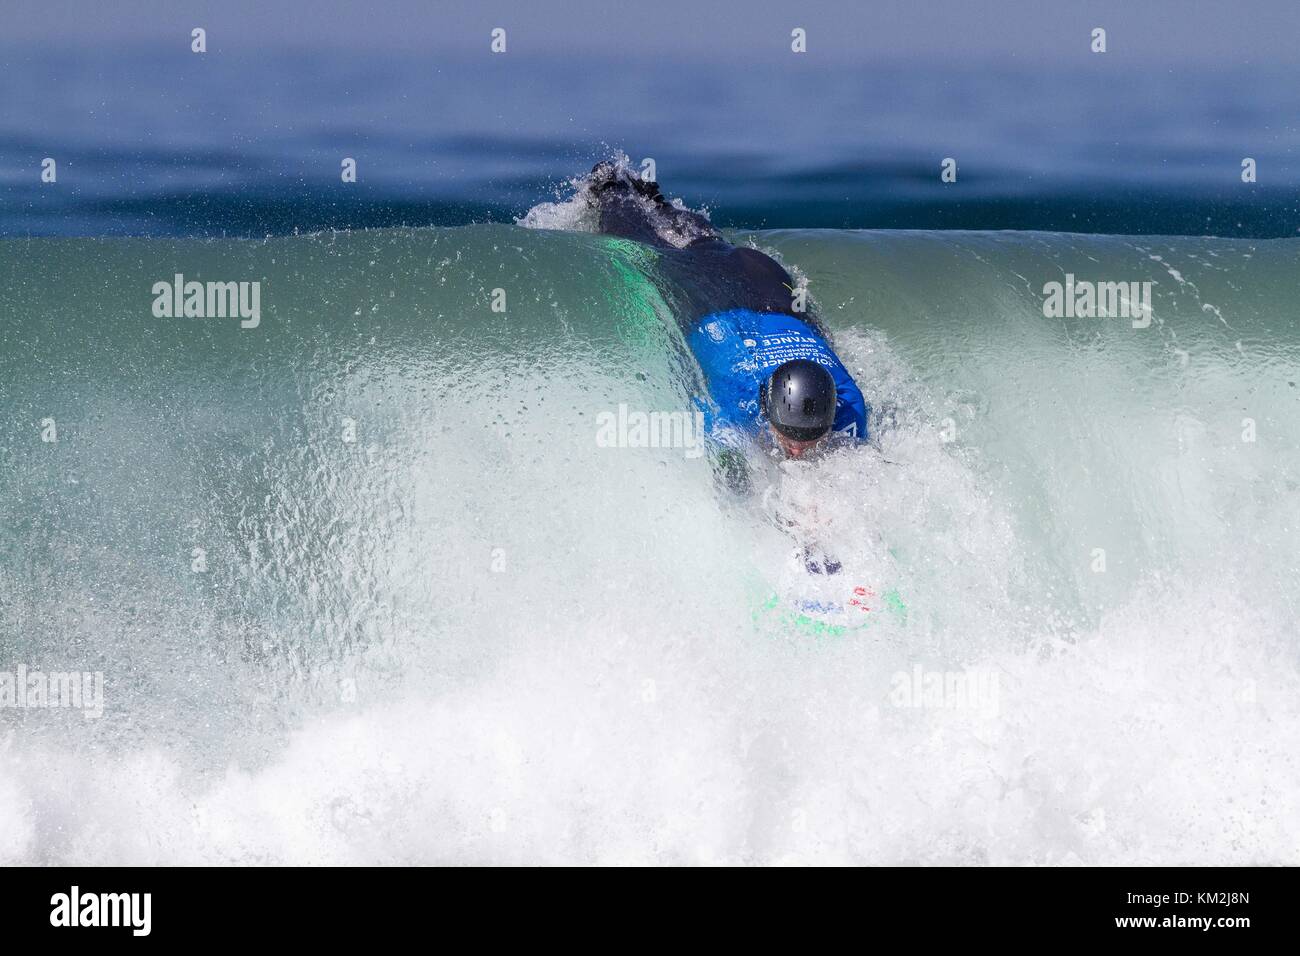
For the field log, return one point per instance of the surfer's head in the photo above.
(799, 402)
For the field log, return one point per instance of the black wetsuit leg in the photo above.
(704, 272)
(635, 209)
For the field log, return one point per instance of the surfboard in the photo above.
(816, 597)
(862, 608)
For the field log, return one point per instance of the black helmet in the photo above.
(799, 400)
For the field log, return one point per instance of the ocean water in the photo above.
(365, 585)
(435, 621)
(248, 140)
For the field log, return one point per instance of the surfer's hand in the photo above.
(816, 561)
(731, 470)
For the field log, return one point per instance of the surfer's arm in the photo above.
(725, 444)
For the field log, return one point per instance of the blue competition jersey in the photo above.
(739, 350)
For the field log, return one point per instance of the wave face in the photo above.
(365, 587)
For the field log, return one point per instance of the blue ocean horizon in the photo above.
(162, 142)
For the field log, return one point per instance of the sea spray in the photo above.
(436, 622)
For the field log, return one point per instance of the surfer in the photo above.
(771, 374)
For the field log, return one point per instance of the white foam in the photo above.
(1167, 736)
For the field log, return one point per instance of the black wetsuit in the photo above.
(706, 273)
(715, 288)
(736, 308)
